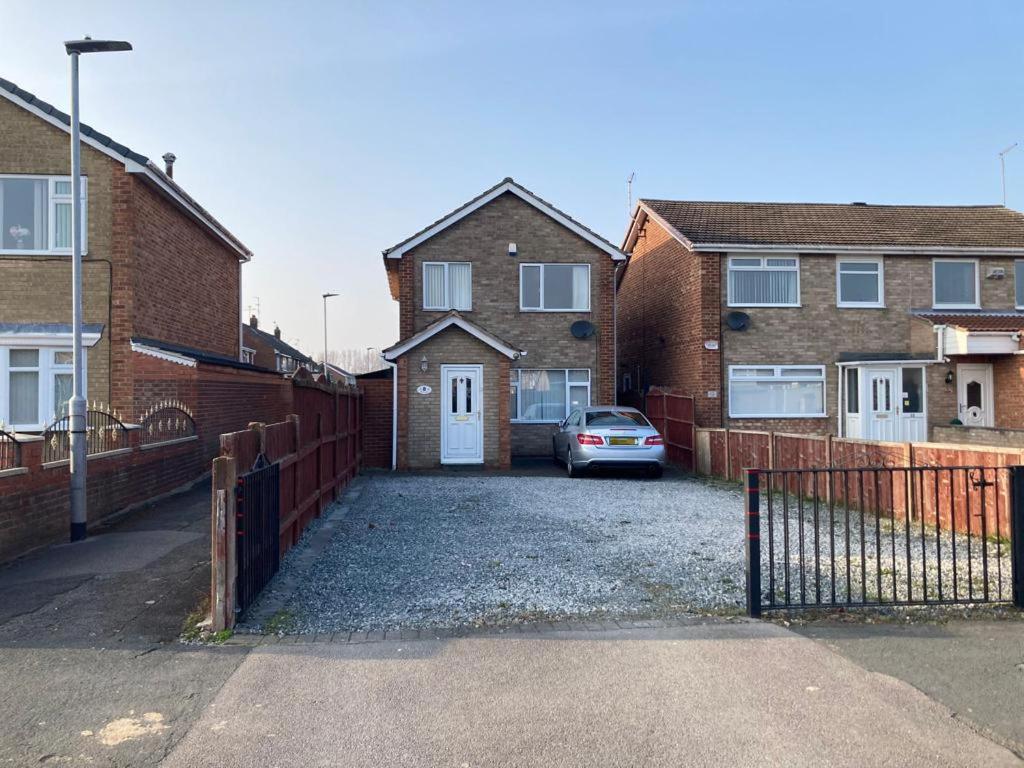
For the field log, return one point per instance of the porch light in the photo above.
(949, 376)
(423, 364)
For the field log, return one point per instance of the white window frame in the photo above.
(248, 355)
(777, 377)
(1016, 281)
(762, 268)
(977, 284)
(47, 370)
(514, 381)
(447, 303)
(840, 260)
(52, 199)
(543, 265)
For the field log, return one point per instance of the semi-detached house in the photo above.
(161, 277)
(867, 321)
(506, 324)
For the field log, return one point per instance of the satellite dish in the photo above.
(738, 321)
(582, 329)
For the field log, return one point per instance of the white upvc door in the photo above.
(975, 405)
(883, 421)
(462, 424)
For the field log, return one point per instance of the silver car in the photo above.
(608, 436)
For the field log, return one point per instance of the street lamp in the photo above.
(77, 403)
(326, 296)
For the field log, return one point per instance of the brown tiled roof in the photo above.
(854, 224)
(1008, 322)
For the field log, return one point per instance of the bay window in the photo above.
(554, 287)
(763, 281)
(955, 284)
(35, 214)
(776, 391)
(35, 385)
(547, 395)
(447, 285)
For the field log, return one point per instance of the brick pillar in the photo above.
(122, 299)
(403, 412)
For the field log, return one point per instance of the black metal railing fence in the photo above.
(103, 432)
(884, 536)
(258, 510)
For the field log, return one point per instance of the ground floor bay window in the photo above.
(35, 385)
(546, 396)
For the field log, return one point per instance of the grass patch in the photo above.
(280, 623)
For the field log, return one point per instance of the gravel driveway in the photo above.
(422, 551)
(418, 551)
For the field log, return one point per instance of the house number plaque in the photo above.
(424, 389)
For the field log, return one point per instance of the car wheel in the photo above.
(654, 471)
(570, 467)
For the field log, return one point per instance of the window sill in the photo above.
(66, 253)
(557, 311)
(848, 305)
(443, 309)
(521, 421)
(777, 416)
(769, 306)
(947, 307)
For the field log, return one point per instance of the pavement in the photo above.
(91, 670)
(704, 694)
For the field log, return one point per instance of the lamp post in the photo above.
(326, 296)
(77, 403)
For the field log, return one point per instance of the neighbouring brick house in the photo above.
(505, 322)
(873, 321)
(270, 351)
(161, 276)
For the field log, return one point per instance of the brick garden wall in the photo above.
(34, 500)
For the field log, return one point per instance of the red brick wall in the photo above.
(34, 507)
(377, 411)
(1008, 390)
(186, 280)
(155, 380)
(229, 398)
(668, 306)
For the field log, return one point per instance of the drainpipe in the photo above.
(615, 332)
(394, 411)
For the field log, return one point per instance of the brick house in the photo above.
(505, 322)
(160, 274)
(871, 321)
(270, 351)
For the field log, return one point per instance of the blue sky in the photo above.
(321, 133)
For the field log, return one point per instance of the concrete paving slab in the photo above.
(700, 695)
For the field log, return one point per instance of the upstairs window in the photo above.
(448, 285)
(35, 214)
(1018, 284)
(554, 287)
(764, 281)
(955, 284)
(859, 282)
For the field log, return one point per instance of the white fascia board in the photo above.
(443, 224)
(131, 166)
(45, 339)
(414, 341)
(161, 354)
(862, 249)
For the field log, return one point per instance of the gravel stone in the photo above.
(417, 552)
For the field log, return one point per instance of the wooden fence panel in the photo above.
(747, 449)
(672, 415)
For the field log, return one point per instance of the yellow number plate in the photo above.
(622, 441)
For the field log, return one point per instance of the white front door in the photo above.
(974, 394)
(462, 424)
(883, 423)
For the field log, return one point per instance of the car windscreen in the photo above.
(616, 419)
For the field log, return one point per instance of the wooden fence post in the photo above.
(728, 456)
(224, 567)
(261, 436)
(771, 450)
